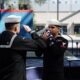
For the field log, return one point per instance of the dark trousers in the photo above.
(52, 74)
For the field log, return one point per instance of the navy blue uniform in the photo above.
(54, 58)
(13, 54)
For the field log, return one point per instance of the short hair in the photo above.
(10, 26)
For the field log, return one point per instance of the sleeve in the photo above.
(30, 44)
(41, 44)
(39, 40)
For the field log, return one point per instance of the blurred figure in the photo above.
(13, 49)
(53, 59)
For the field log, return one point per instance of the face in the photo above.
(54, 29)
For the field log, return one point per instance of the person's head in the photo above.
(12, 23)
(54, 26)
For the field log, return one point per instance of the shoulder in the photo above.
(62, 39)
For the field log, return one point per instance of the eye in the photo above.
(51, 27)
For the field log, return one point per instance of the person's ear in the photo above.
(15, 29)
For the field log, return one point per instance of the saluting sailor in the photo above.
(13, 49)
(53, 63)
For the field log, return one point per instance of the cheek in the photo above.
(52, 31)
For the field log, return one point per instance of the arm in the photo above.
(39, 41)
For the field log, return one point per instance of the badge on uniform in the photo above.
(63, 45)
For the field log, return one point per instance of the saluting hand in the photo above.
(45, 35)
(27, 28)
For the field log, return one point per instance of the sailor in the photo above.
(53, 59)
(13, 49)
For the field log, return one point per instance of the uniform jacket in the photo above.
(13, 57)
(54, 58)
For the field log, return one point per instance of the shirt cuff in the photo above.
(31, 32)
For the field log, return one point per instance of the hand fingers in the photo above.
(27, 28)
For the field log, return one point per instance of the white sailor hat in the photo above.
(53, 22)
(12, 19)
